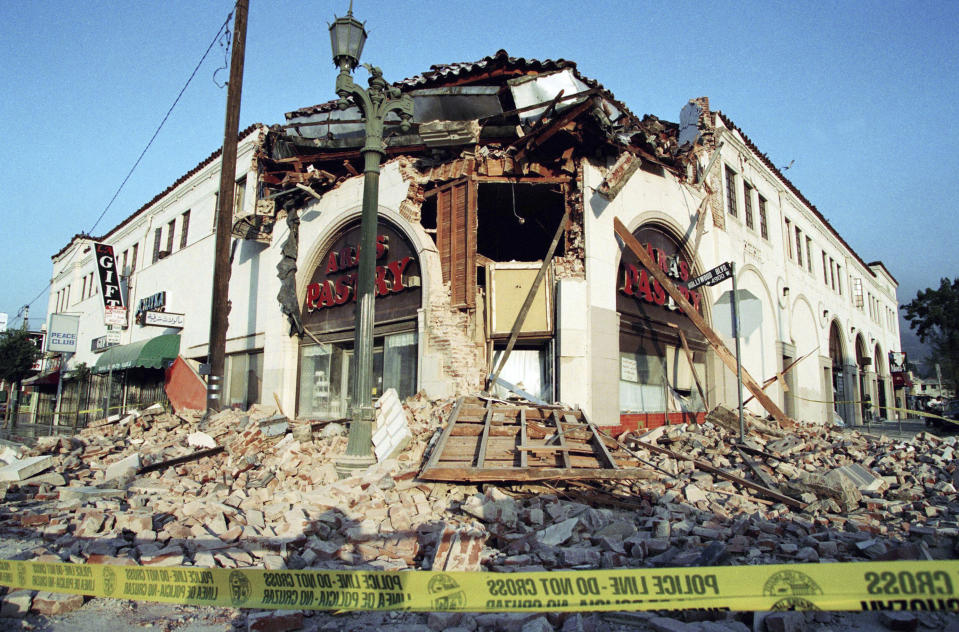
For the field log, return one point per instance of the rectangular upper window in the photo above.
(763, 226)
(157, 235)
(748, 204)
(170, 229)
(239, 196)
(798, 246)
(184, 228)
(809, 254)
(731, 191)
(789, 236)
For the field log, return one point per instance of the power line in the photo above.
(226, 25)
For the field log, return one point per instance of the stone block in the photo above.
(25, 468)
(557, 534)
(784, 622)
(51, 604)
(123, 468)
(458, 549)
(16, 604)
(274, 621)
(667, 624)
(200, 440)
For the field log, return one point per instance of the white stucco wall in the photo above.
(797, 306)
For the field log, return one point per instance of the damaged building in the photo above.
(498, 216)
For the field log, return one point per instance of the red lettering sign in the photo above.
(638, 283)
(332, 292)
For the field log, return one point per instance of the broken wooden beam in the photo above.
(706, 467)
(711, 336)
(521, 475)
(186, 458)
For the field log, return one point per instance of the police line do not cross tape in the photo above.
(839, 586)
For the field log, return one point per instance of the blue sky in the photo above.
(861, 96)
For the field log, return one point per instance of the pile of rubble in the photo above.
(255, 489)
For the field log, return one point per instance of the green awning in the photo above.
(153, 353)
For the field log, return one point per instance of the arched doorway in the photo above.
(862, 364)
(326, 364)
(837, 362)
(880, 382)
(662, 355)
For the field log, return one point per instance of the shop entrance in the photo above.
(329, 313)
(327, 373)
(661, 353)
(837, 361)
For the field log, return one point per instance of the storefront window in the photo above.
(657, 373)
(641, 383)
(326, 380)
(527, 369)
(399, 363)
(651, 382)
(244, 379)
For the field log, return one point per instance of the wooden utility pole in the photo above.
(220, 304)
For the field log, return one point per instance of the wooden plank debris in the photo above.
(488, 441)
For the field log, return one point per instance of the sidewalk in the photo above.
(905, 429)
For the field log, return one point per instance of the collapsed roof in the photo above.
(539, 116)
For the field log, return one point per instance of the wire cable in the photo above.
(226, 25)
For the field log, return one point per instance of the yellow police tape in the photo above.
(842, 586)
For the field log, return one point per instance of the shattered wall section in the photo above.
(286, 271)
(448, 330)
(451, 356)
(572, 264)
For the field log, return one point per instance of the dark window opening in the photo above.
(516, 222)
(428, 216)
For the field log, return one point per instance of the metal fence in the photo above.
(85, 401)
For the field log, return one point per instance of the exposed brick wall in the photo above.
(448, 328)
(572, 265)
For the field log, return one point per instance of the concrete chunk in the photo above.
(25, 468)
(89, 493)
(51, 604)
(123, 467)
(200, 440)
(16, 604)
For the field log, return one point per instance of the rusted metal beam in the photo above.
(186, 458)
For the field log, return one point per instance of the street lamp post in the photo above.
(347, 36)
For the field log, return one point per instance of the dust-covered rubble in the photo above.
(254, 489)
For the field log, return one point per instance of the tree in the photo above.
(934, 315)
(18, 352)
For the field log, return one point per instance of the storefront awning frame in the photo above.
(153, 353)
